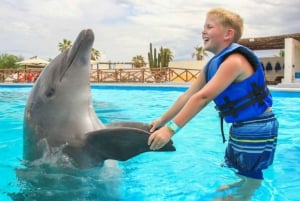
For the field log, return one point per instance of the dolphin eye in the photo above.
(50, 92)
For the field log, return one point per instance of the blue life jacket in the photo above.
(242, 100)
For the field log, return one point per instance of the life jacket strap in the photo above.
(256, 96)
(222, 127)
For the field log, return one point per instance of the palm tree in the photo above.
(169, 56)
(138, 61)
(95, 54)
(199, 53)
(64, 45)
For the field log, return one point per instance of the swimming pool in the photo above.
(191, 173)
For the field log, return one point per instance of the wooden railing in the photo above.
(143, 75)
(184, 75)
(19, 76)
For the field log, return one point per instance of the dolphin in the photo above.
(59, 114)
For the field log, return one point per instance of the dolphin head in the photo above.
(59, 106)
(69, 71)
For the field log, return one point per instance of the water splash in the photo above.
(53, 177)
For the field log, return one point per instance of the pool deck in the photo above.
(286, 87)
(293, 87)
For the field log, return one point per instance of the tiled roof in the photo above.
(267, 43)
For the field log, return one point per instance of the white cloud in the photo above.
(124, 28)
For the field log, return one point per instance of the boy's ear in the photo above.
(229, 35)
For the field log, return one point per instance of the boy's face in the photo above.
(213, 35)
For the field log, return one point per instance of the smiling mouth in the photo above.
(205, 40)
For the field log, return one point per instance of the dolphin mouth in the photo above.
(82, 46)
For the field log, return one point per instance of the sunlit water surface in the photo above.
(193, 172)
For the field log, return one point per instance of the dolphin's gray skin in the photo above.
(59, 114)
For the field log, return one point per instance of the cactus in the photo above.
(150, 56)
(159, 60)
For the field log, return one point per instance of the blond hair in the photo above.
(229, 19)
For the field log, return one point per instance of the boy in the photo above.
(234, 80)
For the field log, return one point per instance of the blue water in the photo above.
(193, 172)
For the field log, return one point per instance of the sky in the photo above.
(124, 28)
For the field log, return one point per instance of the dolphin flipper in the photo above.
(121, 143)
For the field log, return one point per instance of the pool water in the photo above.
(193, 172)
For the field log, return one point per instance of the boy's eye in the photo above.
(208, 27)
